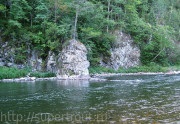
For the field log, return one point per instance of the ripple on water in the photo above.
(135, 100)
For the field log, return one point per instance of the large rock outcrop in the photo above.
(72, 61)
(124, 52)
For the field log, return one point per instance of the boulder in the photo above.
(72, 61)
(124, 52)
(9, 64)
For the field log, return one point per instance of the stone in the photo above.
(8, 80)
(10, 64)
(51, 62)
(72, 61)
(124, 52)
(2, 63)
(20, 66)
(32, 78)
(97, 79)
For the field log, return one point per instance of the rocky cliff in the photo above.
(51, 64)
(6, 54)
(124, 52)
(72, 61)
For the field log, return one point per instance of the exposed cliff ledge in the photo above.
(124, 52)
(72, 61)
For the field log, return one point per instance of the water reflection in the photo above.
(73, 83)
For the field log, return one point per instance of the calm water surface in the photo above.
(120, 100)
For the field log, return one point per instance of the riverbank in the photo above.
(24, 75)
(12, 73)
(138, 73)
(28, 79)
(93, 77)
(152, 68)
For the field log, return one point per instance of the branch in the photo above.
(158, 54)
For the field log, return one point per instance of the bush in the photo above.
(42, 74)
(152, 67)
(100, 69)
(148, 68)
(174, 55)
(7, 73)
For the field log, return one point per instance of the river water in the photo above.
(119, 100)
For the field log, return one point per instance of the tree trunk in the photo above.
(31, 19)
(55, 11)
(75, 24)
(109, 2)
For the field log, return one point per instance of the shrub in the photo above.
(100, 69)
(7, 73)
(42, 74)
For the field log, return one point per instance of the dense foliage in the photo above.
(8, 73)
(46, 24)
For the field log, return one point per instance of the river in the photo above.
(119, 100)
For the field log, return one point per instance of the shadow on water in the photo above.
(120, 99)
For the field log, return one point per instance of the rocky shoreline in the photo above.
(93, 77)
(138, 73)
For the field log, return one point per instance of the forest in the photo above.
(45, 25)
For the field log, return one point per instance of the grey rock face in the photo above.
(2, 63)
(35, 61)
(51, 62)
(72, 61)
(124, 52)
(6, 55)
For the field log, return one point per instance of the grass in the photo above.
(100, 69)
(10, 73)
(147, 68)
(42, 74)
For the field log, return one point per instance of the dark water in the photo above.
(121, 100)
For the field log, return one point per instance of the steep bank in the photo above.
(124, 52)
(33, 33)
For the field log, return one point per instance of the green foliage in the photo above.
(42, 11)
(42, 74)
(90, 33)
(14, 24)
(2, 8)
(99, 47)
(19, 10)
(8, 73)
(152, 67)
(100, 69)
(156, 49)
(45, 25)
(174, 55)
(20, 55)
